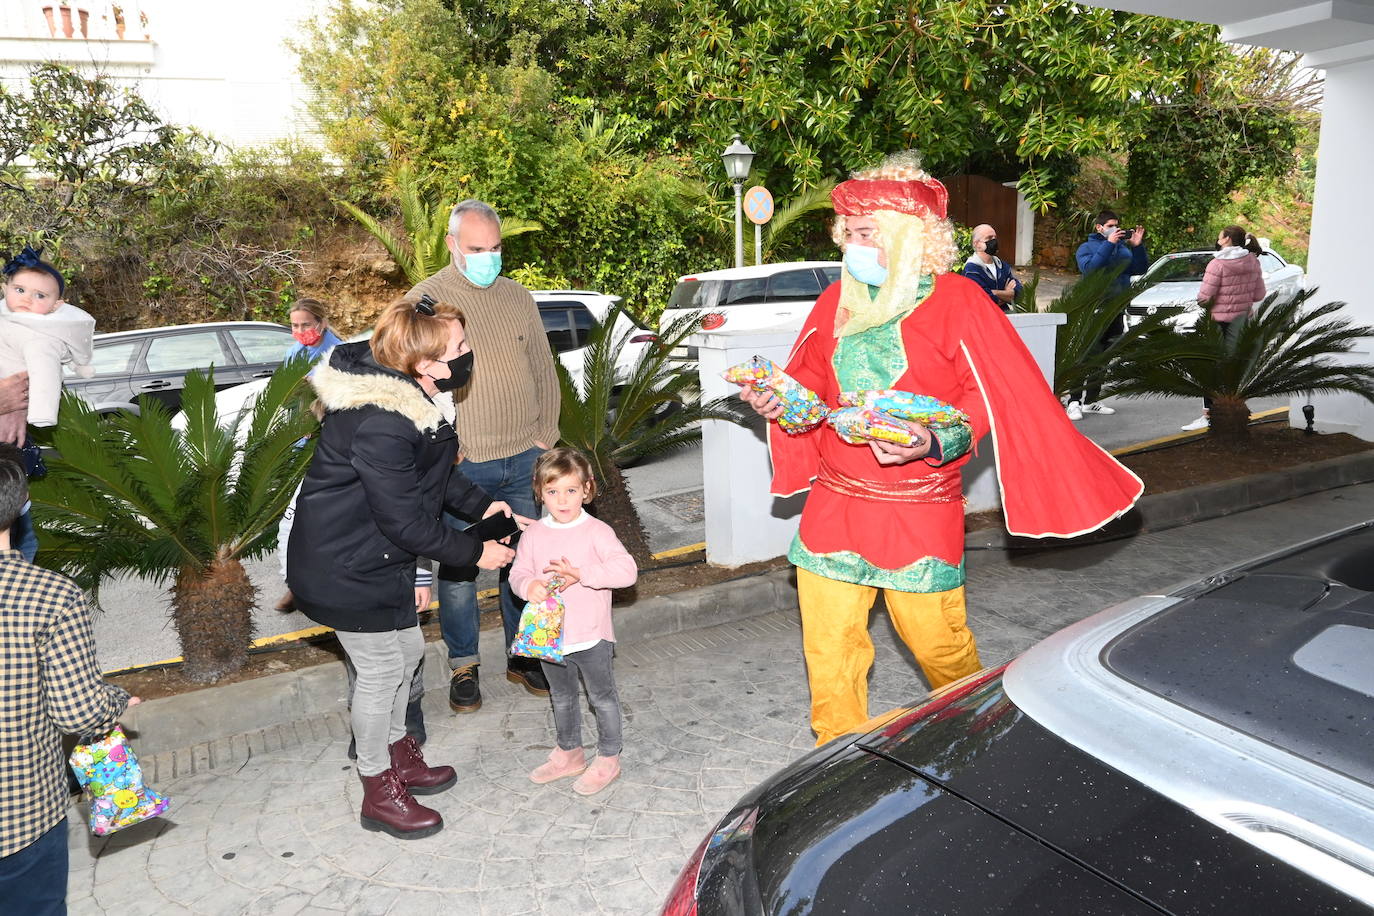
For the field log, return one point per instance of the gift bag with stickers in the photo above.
(541, 627)
(110, 774)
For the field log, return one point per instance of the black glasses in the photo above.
(425, 305)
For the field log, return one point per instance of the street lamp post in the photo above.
(737, 158)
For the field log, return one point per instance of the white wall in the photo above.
(1341, 211)
(221, 67)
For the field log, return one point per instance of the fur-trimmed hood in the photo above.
(353, 379)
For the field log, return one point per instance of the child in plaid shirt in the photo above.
(49, 684)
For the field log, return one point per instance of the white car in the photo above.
(1179, 277)
(568, 316)
(763, 297)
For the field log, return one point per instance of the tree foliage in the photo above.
(1241, 125)
(1015, 89)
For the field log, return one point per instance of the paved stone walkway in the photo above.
(268, 823)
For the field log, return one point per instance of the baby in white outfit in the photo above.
(39, 332)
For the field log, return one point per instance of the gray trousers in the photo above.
(385, 663)
(594, 667)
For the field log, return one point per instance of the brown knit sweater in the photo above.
(512, 401)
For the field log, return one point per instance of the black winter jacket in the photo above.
(381, 475)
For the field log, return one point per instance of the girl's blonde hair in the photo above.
(562, 462)
(404, 338)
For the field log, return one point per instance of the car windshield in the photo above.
(1181, 268)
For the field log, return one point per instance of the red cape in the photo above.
(1055, 482)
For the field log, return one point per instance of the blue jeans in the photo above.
(512, 480)
(33, 881)
(24, 537)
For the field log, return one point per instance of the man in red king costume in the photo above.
(892, 517)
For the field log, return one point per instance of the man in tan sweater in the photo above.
(507, 416)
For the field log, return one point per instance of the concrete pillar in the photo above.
(744, 522)
(1343, 202)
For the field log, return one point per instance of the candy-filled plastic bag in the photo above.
(857, 425)
(541, 627)
(113, 780)
(918, 408)
(802, 408)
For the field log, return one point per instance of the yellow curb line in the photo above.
(311, 632)
(1184, 437)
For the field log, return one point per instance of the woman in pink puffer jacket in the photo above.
(1231, 286)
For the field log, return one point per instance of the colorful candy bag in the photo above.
(110, 773)
(857, 425)
(919, 408)
(866, 415)
(541, 627)
(802, 408)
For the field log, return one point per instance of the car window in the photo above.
(831, 275)
(689, 294)
(262, 345)
(1182, 269)
(182, 352)
(743, 292)
(112, 359)
(792, 285)
(567, 324)
(1270, 263)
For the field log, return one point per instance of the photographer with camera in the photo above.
(1110, 246)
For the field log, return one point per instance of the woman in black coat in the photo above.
(382, 474)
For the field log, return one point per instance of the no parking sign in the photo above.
(758, 205)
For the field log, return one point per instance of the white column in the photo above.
(1341, 209)
(744, 522)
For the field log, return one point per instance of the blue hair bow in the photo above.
(28, 259)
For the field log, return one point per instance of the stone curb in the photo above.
(1162, 511)
(232, 719)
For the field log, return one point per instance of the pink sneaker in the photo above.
(560, 763)
(599, 775)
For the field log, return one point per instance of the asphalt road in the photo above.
(133, 627)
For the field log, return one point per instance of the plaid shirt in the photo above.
(49, 684)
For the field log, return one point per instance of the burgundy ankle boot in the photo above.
(388, 807)
(417, 776)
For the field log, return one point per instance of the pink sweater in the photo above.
(1233, 283)
(603, 564)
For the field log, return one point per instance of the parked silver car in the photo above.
(153, 362)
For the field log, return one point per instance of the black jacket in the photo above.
(381, 475)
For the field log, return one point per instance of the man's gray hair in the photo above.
(471, 205)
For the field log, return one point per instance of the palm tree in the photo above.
(132, 495)
(615, 421)
(1090, 306)
(421, 252)
(1283, 349)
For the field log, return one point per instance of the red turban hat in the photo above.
(861, 196)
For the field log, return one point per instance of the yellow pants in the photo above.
(839, 651)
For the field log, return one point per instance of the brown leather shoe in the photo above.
(418, 777)
(388, 807)
(287, 602)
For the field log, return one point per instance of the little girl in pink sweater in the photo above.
(585, 553)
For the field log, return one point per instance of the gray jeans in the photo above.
(594, 666)
(385, 663)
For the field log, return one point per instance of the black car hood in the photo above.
(860, 835)
(985, 751)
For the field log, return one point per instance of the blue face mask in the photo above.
(862, 263)
(483, 267)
